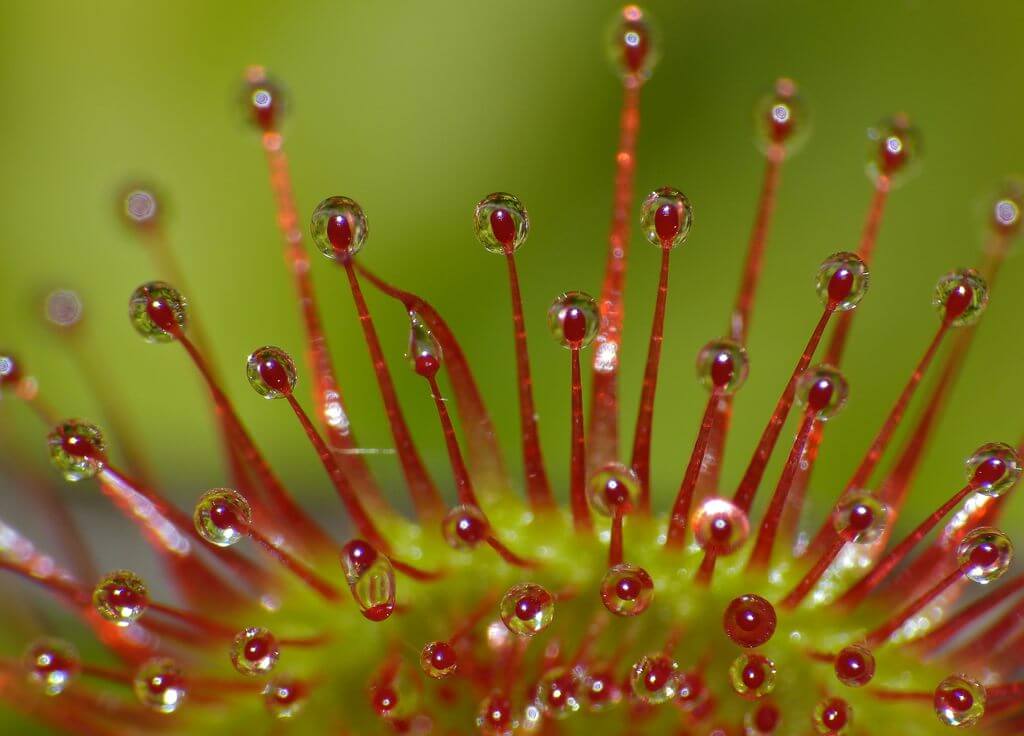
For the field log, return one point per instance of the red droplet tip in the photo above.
(275, 375)
(840, 285)
(958, 301)
(503, 225)
(574, 325)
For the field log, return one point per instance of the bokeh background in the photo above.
(417, 110)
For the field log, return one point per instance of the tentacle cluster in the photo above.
(506, 616)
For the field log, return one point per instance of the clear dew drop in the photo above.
(842, 280)
(140, 205)
(263, 102)
(157, 311)
(833, 716)
(398, 698)
(994, 468)
(254, 651)
(723, 364)
(824, 390)
(51, 665)
(121, 597)
(692, 693)
(961, 297)
(160, 685)
(465, 526)
(438, 659)
(371, 579)
(271, 372)
(222, 517)
(495, 716)
(894, 150)
(527, 609)
(63, 309)
(627, 590)
(501, 223)
(959, 701)
(284, 697)
(425, 352)
(632, 45)
(10, 370)
(77, 449)
(855, 665)
(763, 720)
(752, 675)
(653, 678)
(984, 555)
(666, 216)
(749, 620)
(781, 117)
(720, 526)
(600, 690)
(1007, 207)
(860, 517)
(339, 228)
(556, 693)
(613, 489)
(573, 319)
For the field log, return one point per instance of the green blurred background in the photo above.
(417, 110)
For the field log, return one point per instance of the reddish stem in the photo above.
(425, 496)
(360, 518)
(40, 570)
(203, 624)
(894, 488)
(796, 596)
(793, 510)
(836, 346)
(989, 641)
(307, 531)
(762, 554)
(900, 695)
(874, 454)
(415, 573)
(107, 673)
(680, 517)
(57, 515)
(126, 491)
(885, 434)
(463, 484)
(881, 634)
(508, 555)
(482, 450)
(984, 514)
(873, 221)
(121, 430)
(299, 569)
(53, 582)
(604, 407)
(641, 461)
(326, 392)
(166, 262)
(1012, 690)
(868, 239)
(706, 570)
(855, 595)
(577, 471)
(537, 487)
(475, 616)
(755, 470)
(615, 546)
(739, 324)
